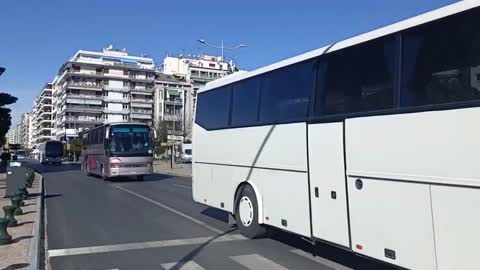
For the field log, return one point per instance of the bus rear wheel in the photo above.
(104, 176)
(246, 214)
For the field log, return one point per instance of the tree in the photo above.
(5, 118)
(162, 137)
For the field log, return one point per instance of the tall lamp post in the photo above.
(221, 47)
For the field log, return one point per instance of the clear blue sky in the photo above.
(37, 37)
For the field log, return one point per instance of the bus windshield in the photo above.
(130, 141)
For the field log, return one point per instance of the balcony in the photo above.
(172, 117)
(111, 110)
(70, 95)
(85, 85)
(140, 116)
(83, 108)
(145, 89)
(173, 102)
(141, 105)
(175, 132)
(143, 100)
(141, 78)
(142, 111)
(83, 119)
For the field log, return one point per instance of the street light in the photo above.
(222, 47)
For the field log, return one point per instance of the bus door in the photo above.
(328, 191)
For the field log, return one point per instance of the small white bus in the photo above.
(369, 144)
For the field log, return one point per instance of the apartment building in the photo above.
(12, 136)
(170, 105)
(195, 71)
(99, 87)
(42, 124)
(26, 130)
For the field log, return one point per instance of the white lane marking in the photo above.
(181, 186)
(255, 261)
(321, 260)
(190, 265)
(142, 245)
(201, 223)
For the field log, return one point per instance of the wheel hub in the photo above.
(245, 210)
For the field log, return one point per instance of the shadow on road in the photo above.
(216, 214)
(196, 251)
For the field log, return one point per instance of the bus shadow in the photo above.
(147, 178)
(216, 214)
(329, 252)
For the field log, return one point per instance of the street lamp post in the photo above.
(221, 47)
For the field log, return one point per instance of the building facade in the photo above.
(196, 71)
(169, 105)
(12, 136)
(100, 87)
(42, 124)
(26, 129)
(93, 88)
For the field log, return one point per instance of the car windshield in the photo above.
(128, 140)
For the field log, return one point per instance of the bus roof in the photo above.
(390, 29)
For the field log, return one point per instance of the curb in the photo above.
(35, 251)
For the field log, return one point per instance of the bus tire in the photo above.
(246, 214)
(104, 176)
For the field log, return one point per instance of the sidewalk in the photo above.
(18, 255)
(179, 169)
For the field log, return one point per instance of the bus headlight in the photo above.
(114, 165)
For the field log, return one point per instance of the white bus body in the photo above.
(369, 144)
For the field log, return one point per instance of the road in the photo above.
(155, 224)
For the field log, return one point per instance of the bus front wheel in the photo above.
(246, 214)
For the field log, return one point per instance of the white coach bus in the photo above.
(368, 144)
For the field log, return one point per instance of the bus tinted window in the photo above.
(286, 93)
(357, 79)
(213, 108)
(441, 61)
(245, 103)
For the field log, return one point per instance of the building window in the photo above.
(125, 95)
(105, 93)
(106, 70)
(125, 106)
(105, 116)
(76, 68)
(125, 72)
(125, 117)
(211, 65)
(105, 105)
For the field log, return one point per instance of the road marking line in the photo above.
(181, 186)
(255, 261)
(321, 260)
(143, 245)
(189, 265)
(201, 223)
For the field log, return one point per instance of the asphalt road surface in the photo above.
(155, 224)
